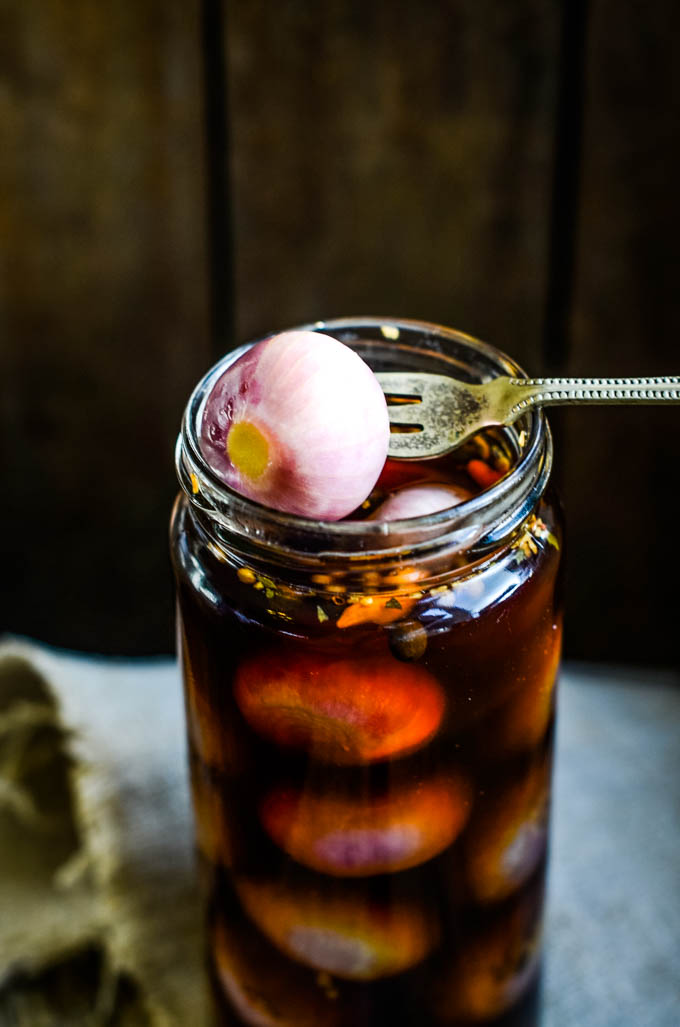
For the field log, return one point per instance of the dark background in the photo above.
(177, 176)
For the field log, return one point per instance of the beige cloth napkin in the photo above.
(99, 912)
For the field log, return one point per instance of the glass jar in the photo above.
(370, 711)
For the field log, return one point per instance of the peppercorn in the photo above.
(408, 640)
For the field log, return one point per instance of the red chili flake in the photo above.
(482, 474)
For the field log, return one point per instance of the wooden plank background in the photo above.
(103, 309)
(179, 176)
(393, 158)
(619, 466)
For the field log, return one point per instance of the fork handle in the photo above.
(526, 393)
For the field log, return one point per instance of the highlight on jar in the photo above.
(215, 817)
(370, 652)
(212, 736)
(524, 719)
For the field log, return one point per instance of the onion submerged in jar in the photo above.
(342, 932)
(350, 836)
(340, 710)
(420, 500)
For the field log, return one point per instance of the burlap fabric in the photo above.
(99, 921)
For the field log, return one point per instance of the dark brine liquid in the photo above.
(371, 779)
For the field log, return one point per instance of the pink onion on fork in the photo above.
(298, 423)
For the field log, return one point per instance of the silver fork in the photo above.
(431, 414)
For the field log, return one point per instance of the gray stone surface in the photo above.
(613, 953)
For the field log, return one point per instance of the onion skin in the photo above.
(299, 423)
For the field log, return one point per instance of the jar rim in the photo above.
(499, 510)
